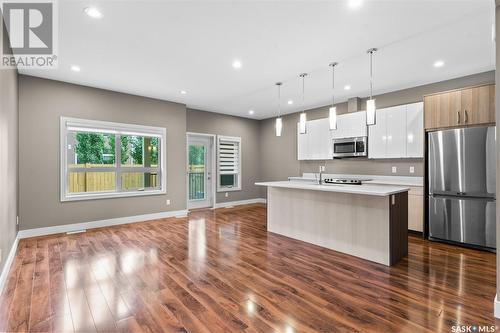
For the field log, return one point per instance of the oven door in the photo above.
(344, 148)
(351, 147)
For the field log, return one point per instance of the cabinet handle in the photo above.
(458, 117)
(466, 116)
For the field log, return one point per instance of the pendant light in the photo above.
(303, 117)
(370, 104)
(332, 115)
(279, 121)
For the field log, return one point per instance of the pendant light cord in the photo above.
(333, 64)
(279, 98)
(371, 75)
(371, 51)
(303, 76)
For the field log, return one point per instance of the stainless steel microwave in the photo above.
(350, 147)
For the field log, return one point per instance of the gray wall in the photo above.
(249, 131)
(279, 155)
(42, 103)
(8, 158)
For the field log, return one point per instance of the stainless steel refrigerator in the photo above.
(462, 176)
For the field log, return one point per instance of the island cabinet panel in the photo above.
(458, 108)
(398, 227)
(371, 227)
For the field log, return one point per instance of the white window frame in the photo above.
(112, 128)
(239, 179)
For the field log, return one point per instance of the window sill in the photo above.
(111, 195)
(228, 189)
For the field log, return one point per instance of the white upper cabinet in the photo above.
(398, 132)
(377, 137)
(316, 144)
(415, 130)
(350, 125)
(302, 145)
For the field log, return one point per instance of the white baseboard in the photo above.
(98, 224)
(239, 203)
(496, 307)
(8, 263)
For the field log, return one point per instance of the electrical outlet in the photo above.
(17, 220)
(168, 202)
(394, 169)
(321, 168)
(412, 169)
(226, 194)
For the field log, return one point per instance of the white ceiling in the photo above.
(157, 48)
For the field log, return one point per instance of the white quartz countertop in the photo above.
(373, 179)
(365, 189)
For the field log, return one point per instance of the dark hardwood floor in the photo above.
(220, 271)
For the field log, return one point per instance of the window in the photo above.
(105, 160)
(228, 163)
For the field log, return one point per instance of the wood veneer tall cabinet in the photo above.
(458, 108)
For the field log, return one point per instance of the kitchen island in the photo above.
(368, 221)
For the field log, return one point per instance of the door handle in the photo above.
(458, 117)
(466, 116)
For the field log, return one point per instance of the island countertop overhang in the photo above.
(364, 189)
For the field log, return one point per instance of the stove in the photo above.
(342, 181)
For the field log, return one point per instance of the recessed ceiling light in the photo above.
(250, 112)
(347, 87)
(75, 68)
(290, 102)
(183, 92)
(355, 3)
(236, 64)
(439, 63)
(93, 12)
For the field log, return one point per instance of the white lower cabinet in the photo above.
(398, 132)
(316, 144)
(416, 209)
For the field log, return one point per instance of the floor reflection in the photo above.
(222, 269)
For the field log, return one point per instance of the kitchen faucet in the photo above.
(321, 170)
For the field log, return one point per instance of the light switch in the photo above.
(168, 202)
(412, 169)
(394, 169)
